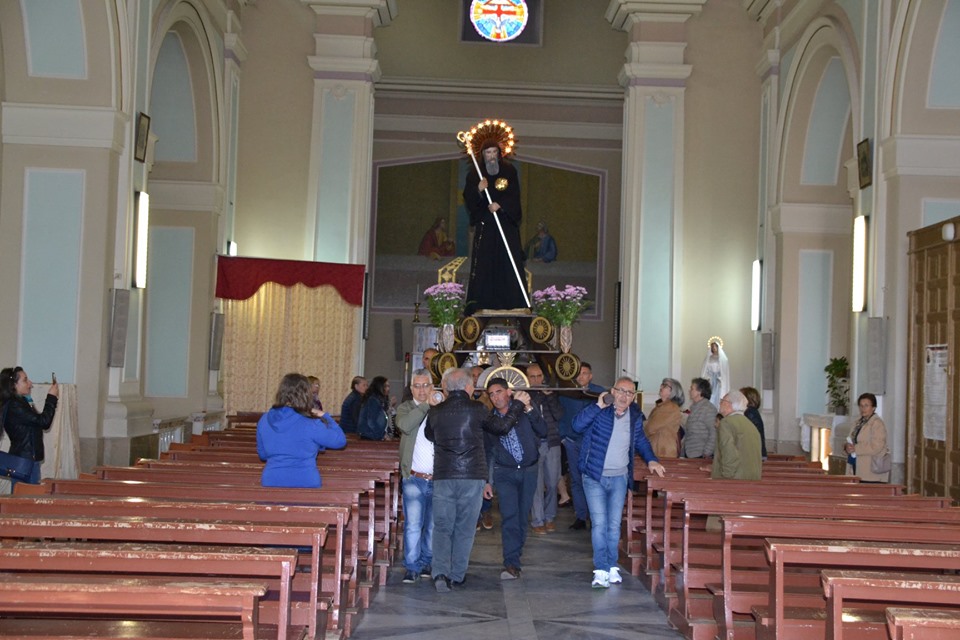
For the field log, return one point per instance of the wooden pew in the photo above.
(45, 595)
(276, 564)
(344, 610)
(771, 621)
(668, 491)
(181, 531)
(886, 587)
(379, 540)
(713, 566)
(930, 624)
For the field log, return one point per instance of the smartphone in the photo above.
(53, 377)
(608, 398)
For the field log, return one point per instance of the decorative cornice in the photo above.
(768, 65)
(624, 14)
(449, 89)
(831, 219)
(64, 126)
(530, 128)
(178, 195)
(912, 155)
(345, 58)
(382, 12)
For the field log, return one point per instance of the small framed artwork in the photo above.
(143, 135)
(864, 163)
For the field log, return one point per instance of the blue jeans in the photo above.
(605, 500)
(576, 484)
(548, 477)
(515, 489)
(456, 504)
(417, 523)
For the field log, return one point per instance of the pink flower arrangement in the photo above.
(445, 301)
(562, 307)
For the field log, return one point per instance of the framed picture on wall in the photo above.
(864, 163)
(143, 135)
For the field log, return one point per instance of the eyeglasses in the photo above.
(425, 385)
(624, 392)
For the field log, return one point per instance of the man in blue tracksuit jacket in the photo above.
(611, 433)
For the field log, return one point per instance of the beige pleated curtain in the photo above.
(287, 328)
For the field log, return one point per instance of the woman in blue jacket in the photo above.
(612, 432)
(289, 436)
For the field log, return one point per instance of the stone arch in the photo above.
(185, 27)
(822, 45)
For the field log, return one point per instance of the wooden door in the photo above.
(933, 458)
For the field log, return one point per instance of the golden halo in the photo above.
(716, 339)
(485, 130)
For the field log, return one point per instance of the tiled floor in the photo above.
(553, 599)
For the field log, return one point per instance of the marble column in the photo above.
(653, 77)
(341, 147)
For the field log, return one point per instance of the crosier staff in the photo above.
(496, 219)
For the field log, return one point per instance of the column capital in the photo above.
(233, 48)
(624, 14)
(655, 64)
(381, 12)
(768, 64)
(344, 57)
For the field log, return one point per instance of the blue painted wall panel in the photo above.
(333, 188)
(944, 92)
(49, 297)
(172, 113)
(813, 331)
(935, 211)
(656, 243)
(828, 119)
(169, 295)
(54, 38)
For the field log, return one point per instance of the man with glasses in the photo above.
(416, 467)
(739, 453)
(611, 433)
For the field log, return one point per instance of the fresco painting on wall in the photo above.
(421, 224)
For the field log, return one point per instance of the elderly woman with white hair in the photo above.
(663, 426)
(738, 454)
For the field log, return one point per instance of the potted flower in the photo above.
(562, 307)
(445, 302)
(838, 384)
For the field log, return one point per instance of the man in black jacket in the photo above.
(456, 426)
(514, 457)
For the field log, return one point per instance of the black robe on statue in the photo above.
(493, 283)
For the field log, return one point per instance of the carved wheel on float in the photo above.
(540, 330)
(469, 329)
(513, 376)
(443, 362)
(567, 366)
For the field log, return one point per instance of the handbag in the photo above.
(881, 463)
(15, 467)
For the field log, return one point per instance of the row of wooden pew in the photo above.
(191, 546)
(798, 554)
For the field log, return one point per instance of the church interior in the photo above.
(782, 174)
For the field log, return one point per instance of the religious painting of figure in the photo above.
(421, 224)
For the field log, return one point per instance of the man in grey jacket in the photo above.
(700, 436)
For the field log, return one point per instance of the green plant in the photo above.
(838, 383)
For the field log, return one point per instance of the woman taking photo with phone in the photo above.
(21, 421)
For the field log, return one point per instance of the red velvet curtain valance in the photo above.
(240, 278)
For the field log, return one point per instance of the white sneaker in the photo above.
(601, 579)
(615, 577)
